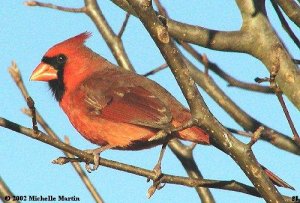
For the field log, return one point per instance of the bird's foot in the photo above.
(157, 180)
(96, 153)
(158, 175)
(96, 161)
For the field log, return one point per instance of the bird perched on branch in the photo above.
(110, 106)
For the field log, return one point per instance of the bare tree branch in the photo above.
(284, 140)
(155, 70)
(249, 123)
(255, 32)
(88, 158)
(52, 6)
(239, 115)
(124, 25)
(220, 136)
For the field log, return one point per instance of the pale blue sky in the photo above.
(26, 163)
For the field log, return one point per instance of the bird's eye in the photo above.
(61, 59)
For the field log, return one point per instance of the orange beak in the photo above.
(43, 72)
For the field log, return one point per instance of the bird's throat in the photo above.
(57, 87)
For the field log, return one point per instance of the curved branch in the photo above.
(124, 24)
(213, 39)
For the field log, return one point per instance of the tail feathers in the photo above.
(276, 180)
(195, 134)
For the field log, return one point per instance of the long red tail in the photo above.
(276, 180)
(197, 135)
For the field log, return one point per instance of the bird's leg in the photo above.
(157, 167)
(158, 174)
(96, 152)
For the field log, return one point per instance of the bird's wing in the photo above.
(134, 105)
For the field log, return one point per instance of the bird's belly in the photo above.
(118, 135)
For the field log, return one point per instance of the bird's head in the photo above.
(64, 64)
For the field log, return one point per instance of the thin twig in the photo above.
(240, 132)
(296, 61)
(279, 96)
(30, 104)
(161, 9)
(256, 135)
(124, 25)
(83, 176)
(155, 70)
(52, 6)
(216, 69)
(288, 117)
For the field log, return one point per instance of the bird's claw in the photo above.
(157, 181)
(157, 185)
(96, 153)
(96, 161)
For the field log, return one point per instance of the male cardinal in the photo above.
(110, 106)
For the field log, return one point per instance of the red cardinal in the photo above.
(109, 106)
